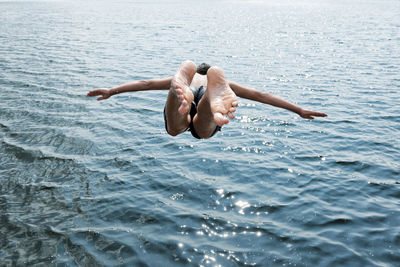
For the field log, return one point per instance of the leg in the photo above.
(218, 102)
(179, 99)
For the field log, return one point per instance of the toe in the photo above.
(220, 119)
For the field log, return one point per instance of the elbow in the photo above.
(145, 84)
(265, 94)
(262, 96)
(265, 98)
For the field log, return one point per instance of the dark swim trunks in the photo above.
(198, 93)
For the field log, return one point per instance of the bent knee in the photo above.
(172, 133)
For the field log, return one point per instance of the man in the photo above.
(200, 99)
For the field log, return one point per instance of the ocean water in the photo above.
(88, 183)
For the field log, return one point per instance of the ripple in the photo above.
(21, 153)
(84, 182)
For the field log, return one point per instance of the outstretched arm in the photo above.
(143, 85)
(269, 99)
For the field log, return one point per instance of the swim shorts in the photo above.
(198, 93)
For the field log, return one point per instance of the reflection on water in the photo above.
(100, 183)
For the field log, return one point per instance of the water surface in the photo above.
(101, 183)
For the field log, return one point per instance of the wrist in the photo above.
(112, 91)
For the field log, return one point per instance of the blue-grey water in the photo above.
(88, 183)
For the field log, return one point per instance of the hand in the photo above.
(309, 114)
(105, 93)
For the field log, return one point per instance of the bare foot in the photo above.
(220, 96)
(180, 86)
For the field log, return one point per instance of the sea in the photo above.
(101, 183)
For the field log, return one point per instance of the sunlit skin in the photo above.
(215, 107)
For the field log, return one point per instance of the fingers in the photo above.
(103, 93)
(93, 93)
(318, 114)
(96, 92)
(309, 114)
